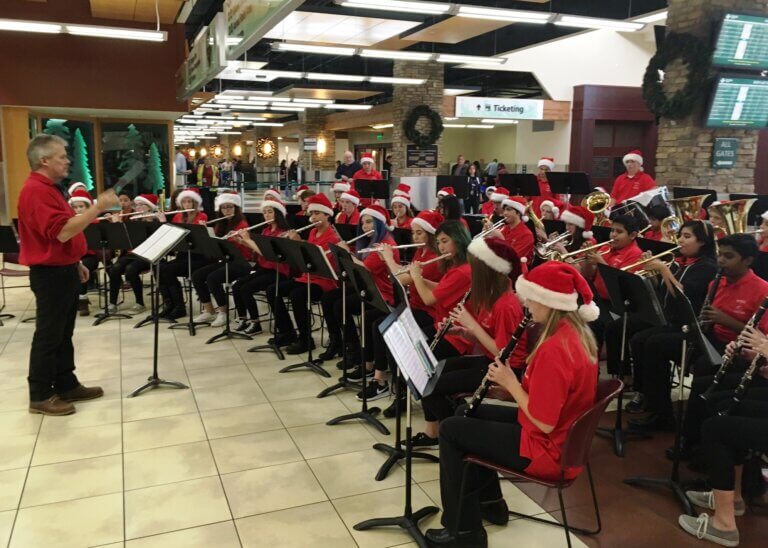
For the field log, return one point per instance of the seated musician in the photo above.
(484, 325)
(338, 188)
(544, 165)
(497, 199)
(169, 286)
(303, 194)
(558, 386)
(210, 279)
(488, 205)
(348, 213)
(263, 273)
(368, 172)
(320, 211)
(578, 223)
(80, 200)
(449, 207)
(401, 208)
(633, 182)
(762, 236)
(126, 205)
(550, 210)
(656, 214)
(515, 231)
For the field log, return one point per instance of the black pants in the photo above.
(178, 267)
(472, 204)
(613, 332)
(131, 267)
(297, 293)
(652, 350)
(462, 374)
(493, 433)
(333, 311)
(246, 287)
(598, 326)
(207, 194)
(91, 262)
(728, 439)
(210, 279)
(52, 356)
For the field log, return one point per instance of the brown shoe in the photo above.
(54, 406)
(82, 393)
(83, 308)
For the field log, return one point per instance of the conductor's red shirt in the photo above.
(626, 187)
(43, 212)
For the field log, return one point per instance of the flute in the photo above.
(246, 229)
(425, 263)
(110, 215)
(353, 240)
(404, 246)
(156, 213)
(217, 219)
(302, 229)
(448, 322)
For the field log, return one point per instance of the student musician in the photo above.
(368, 172)
(544, 165)
(320, 211)
(126, 204)
(169, 285)
(484, 325)
(210, 279)
(558, 386)
(401, 209)
(303, 194)
(80, 201)
(762, 236)
(130, 266)
(449, 207)
(263, 274)
(348, 213)
(549, 210)
(338, 188)
(488, 205)
(633, 181)
(515, 231)
(578, 223)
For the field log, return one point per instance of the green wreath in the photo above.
(695, 54)
(414, 135)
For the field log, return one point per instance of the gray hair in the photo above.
(41, 147)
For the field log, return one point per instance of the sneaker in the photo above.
(254, 329)
(220, 320)
(636, 405)
(204, 317)
(706, 499)
(356, 374)
(702, 529)
(242, 326)
(112, 309)
(374, 391)
(422, 440)
(137, 309)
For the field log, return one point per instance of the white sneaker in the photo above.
(112, 309)
(204, 317)
(220, 321)
(137, 309)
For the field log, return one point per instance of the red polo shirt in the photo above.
(372, 176)
(651, 234)
(451, 289)
(324, 240)
(380, 271)
(200, 218)
(488, 207)
(617, 258)
(739, 300)
(430, 272)
(520, 238)
(405, 224)
(282, 268)
(343, 219)
(626, 187)
(43, 212)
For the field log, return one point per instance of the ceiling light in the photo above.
(471, 59)
(334, 77)
(114, 32)
(513, 16)
(652, 18)
(323, 101)
(229, 132)
(248, 103)
(29, 26)
(389, 54)
(382, 126)
(233, 40)
(227, 96)
(495, 121)
(397, 5)
(451, 118)
(287, 109)
(253, 118)
(348, 107)
(288, 104)
(267, 124)
(597, 23)
(311, 48)
(231, 93)
(454, 125)
(478, 126)
(391, 80)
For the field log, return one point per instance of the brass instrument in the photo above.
(648, 273)
(448, 322)
(404, 270)
(734, 214)
(597, 202)
(544, 250)
(538, 223)
(670, 226)
(555, 256)
(496, 226)
(688, 208)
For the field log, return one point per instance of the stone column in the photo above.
(684, 152)
(404, 98)
(312, 125)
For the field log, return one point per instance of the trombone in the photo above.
(555, 256)
(645, 273)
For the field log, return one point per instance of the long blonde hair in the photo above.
(586, 337)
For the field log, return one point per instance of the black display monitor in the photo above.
(742, 42)
(739, 101)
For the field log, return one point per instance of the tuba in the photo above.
(597, 202)
(734, 214)
(688, 208)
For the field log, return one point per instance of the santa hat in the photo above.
(149, 200)
(446, 191)
(351, 195)
(300, 191)
(402, 199)
(75, 186)
(547, 162)
(764, 215)
(191, 193)
(600, 189)
(377, 212)
(273, 194)
(517, 203)
(80, 195)
(490, 190)
(274, 204)
(558, 285)
(500, 194)
(320, 203)
(340, 186)
(551, 204)
(635, 155)
(227, 198)
(402, 190)
(497, 254)
(428, 220)
(581, 217)
(367, 157)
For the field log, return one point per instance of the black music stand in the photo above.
(692, 335)
(630, 294)
(460, 184)
(601, 233)
(229, 252)
(299, 222)
(8, 244)
(153, 251)
(551, 226)
(346, 231)
(372, 188)
(113, 236)
(568, 183)
(418, 367)
(404, 236)
(520, 184)
(365, 287)
(272, 253)
(140, 232)
(475, 223)
(312, 260)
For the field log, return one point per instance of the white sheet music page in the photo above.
(410, 350)
(160, 242)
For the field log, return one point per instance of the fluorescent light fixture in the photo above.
(227, 96)
(29, 26)
(115, 32)
(597, 23)
(478, 126)
(287, 104)
(513, 16)
(272, 74)
(231, 93)
(267, 124)
(248, 103)
(229, 132)
(382, 126)
(334, 77)
(209, 137)
(652, 18)
(397, 5)
(322, 101)
(233, 40)
(454, 125)
(459, 91)
(449, 118)
(348, 107)
(253, 118)
(470, 59)
(392, 80)
(287, 109)
(390, 54)
(494, 121)
(311, 48)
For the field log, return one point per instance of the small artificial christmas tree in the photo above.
(132, 165)
(80, 171)
(155, 181)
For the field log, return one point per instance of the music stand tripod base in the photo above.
(396, 454)
(102, 317)
(150, 319)
(156, 382)
(273, 347)
(344, 383)
(314, 365)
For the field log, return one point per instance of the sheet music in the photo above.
(160, 242)
(410, 350)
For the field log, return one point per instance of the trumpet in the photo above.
(404, 270)
(497, 225)
(555, 256)
(648, 273)
(543, 249)
(404, 246)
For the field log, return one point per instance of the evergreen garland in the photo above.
(415, 136)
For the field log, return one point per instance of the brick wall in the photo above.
(312, 124)
(404, 99)
(684, 152)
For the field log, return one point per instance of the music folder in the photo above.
(160, 243)
(569, 182)
(520, 184)
(632, 294)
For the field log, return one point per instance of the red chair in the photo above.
(575, 454)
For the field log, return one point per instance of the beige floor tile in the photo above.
(254, 451)
(306, 411)
(224, 397)
(216, 355)
(11, 484)
(6, 525)
(320, 440)
(317, 525)
(112, 387)
(162, 432)
(18, 423)
(167, 366)
(14, 371)
(353, 474)
(291, 388)
(96, 520)
(523, 532)
(519, 501)
(219, 376)
(432, 489)
(15, 399)
(77, 443)
(273, 488)
(168, 465)
(266, 366)
(422, 469)
(89, 413)
(84, 478)
(220, 535)
(158, 403)
(236, 421)
(16, 451)
(387, 503)
(175, 506)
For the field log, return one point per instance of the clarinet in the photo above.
(711, 295)
(485, 385)
(744, 383)
(448, 322)
(720, 373)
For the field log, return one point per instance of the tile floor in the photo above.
(243, 458)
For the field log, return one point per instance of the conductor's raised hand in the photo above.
(107, 200)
